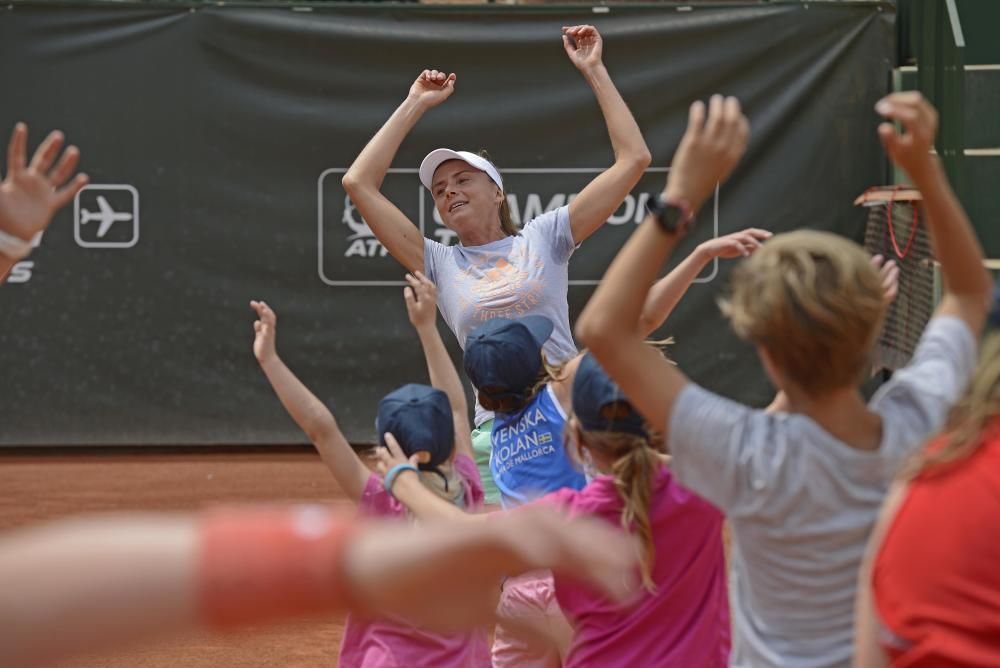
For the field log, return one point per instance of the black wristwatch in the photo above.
(674, 215)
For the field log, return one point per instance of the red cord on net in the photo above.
(901, 254)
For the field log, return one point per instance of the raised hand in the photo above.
(889, 271)
(911, 150)
(392, 455)
(421, 300)
(432, 88)
(709, 150)
(265, 330)
(583, 45)
(32, 193)
(738, 244)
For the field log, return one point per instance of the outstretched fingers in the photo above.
(17, 150)
(46, 152)
(66, 194)
(64, 168)
(264, 312)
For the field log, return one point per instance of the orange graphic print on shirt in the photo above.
(500, 286)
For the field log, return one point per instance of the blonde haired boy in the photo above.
(801, 486)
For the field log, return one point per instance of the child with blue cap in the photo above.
(530, 400)
(505, 362)
(420, 420)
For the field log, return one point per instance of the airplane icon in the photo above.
(106, 216)
(108, 234)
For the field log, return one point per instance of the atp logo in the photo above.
(362, 240)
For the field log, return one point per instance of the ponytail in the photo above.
(633, 472)
(636, 461)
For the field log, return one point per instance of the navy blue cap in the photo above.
(993, 320)
(593, 391)
(419, 416)
(507, 354)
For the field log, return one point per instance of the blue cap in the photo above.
(506, 355)
(593, 391)
(419, 416)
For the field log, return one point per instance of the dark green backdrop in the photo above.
(230, 124)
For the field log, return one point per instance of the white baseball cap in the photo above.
(439, 155)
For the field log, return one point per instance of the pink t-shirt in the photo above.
(686, 622)
(396, 644)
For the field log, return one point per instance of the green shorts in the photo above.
(482, 446)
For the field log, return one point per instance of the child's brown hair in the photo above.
(814, 302)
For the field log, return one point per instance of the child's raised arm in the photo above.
(967, 285)
(408, 490)
(312, 416)
(610, 326)
(421, 306)
(668, 291)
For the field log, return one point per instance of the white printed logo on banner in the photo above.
(21, 271)
(363, 241)
(106, 215)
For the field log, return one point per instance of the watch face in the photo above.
(673, 217)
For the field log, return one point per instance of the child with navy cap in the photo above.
(420, 417)
(420, 420)
(531, 399)
(682, 616)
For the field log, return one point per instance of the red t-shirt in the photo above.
(936, 578)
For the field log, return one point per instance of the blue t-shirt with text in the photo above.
(528, 458)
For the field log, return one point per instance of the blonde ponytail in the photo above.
(633, 473)
(636, 462)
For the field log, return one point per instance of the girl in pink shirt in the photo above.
(681, 616)
(422, 420)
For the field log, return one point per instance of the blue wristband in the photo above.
(390, 477)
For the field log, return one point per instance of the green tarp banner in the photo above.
(215, 138)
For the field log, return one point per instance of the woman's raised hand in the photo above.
(583, 45)
(432, 88)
